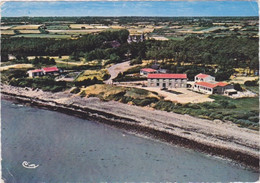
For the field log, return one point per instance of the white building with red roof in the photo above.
(34, 73)
(43, 71)
(146, 71)
(50, 70)
(212, 88)
(204, 78)
(167, 80)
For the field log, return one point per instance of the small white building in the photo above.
(167, 80)
(146, 71)
(204, 78)
(34, 73)
(43, 71)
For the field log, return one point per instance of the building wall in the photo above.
(203, 89)
(216, 90)
(167, 83)
(207, 79)
(221, 89)
(34, 74)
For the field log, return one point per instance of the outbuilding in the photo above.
(146, 71)
(204, 78)
(230, 92)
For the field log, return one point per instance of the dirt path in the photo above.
(116, 69)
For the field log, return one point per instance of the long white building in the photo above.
(167, 80)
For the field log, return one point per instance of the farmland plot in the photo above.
(7, 32)
(25, 27)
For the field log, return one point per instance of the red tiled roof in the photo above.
(148, 70)
(222, 84)
(202, 75)
(211, 85)
(36, 70)
(167, 76)
(50, 69)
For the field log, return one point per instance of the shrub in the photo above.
(251, 83)
(165, 105)
(193, 106)
(82, 94)
(237, 87)
(228, 118)
(241, 115)
(75, 90)
(210, 105)
(254, 119)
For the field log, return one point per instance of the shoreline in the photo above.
(176, 129)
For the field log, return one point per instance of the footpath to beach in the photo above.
(212, 137)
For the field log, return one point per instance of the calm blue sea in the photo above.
(70, 149)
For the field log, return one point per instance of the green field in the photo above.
(44, 36)
(57, 27)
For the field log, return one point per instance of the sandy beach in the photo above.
(212, 137)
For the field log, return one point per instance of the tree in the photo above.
(237, 87)
(114, 58)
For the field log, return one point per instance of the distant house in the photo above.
(43, 71)
(50, 70)
(146, 71)
(11, 57)
(167, 80)
(34, 73)
(135, 38)
(212, 88)
(204, 78)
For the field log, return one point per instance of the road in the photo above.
(114, 70)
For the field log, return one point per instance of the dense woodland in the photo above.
(191, 55)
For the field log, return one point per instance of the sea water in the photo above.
(70, 149)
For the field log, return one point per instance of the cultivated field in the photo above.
(7, 32)
(5, 27)
(84, 31)
(16, 66)
(36, 31)
(25, 27)
(79, 26)
(45, 36)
